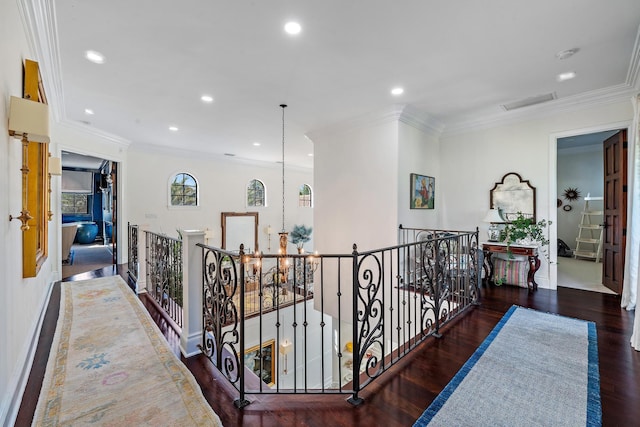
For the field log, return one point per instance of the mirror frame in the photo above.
(226, 215)
(508, 183)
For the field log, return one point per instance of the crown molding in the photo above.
(421, 121)
(403, 113)
(633, 75)
(89, 130)
(608, 95)
(201, 155)
(39, 20)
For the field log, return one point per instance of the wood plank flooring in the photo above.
(403, 393)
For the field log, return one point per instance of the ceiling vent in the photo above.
(539, 99)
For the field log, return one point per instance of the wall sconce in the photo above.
(494, 218)
(55, 169)
(55, 166)
(208, 235)
(269, 231)
(285, 348)
(28, 121)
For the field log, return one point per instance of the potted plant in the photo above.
(525, 231)
(300, 235)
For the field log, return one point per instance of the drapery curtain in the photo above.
(630, 296)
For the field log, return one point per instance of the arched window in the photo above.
(184, 190)
(305, 196)
(256, 194)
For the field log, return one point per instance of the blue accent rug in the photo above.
(534, 369)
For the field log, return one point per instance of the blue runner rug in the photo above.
(534, 369)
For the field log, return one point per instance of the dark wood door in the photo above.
(615, 210)
(114, 211)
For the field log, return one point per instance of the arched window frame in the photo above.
(172, 178)
(249, 204)
(304, 200)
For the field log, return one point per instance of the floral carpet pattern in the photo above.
(110, 366)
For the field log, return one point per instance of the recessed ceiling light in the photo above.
(397, 91)
(207, 98)
(292, 28)
(256, 144)
(564, 54)
(566, 76)
(173, 128)
(88, 111)
(310, 154)
(95, 57)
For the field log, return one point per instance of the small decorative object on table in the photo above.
(522, 236)
(525, 231)
(494, 218)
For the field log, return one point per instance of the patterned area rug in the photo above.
(534, 369)
(110, 366)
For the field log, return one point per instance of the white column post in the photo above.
(141, 284)
(191, 334)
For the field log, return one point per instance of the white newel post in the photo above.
(192, 292)
(141, 284)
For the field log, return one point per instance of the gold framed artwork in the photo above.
(261, 360)
(422, 194)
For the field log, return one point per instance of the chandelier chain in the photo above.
(283, 106)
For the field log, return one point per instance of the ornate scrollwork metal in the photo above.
(220, 274)
(370, 315)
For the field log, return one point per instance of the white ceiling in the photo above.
(458, 62)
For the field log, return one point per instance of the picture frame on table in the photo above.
(422, 192)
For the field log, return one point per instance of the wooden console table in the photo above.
(530, 251)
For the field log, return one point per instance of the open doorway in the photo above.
(88, 214)
(581, 210)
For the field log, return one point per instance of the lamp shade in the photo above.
(285, 347)
(55, 166)
(493, 216)
(29, 118)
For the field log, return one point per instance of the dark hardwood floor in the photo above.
(403, 393)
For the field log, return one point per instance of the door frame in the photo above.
(552, 213)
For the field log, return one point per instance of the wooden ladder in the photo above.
(589, 240)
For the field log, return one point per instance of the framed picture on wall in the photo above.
(422, 193)
(261, 360)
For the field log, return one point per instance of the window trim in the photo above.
(172, 178)
(310, 196)
(246, 194)
(75, 195)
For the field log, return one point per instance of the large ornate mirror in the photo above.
(513, 195)
(240, 228)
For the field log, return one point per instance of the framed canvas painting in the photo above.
(422, 191)
(261, 360)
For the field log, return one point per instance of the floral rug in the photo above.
(110, 366)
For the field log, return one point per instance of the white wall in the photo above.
(21, 300)
(356, 188)
(472, 162)
(222, 186)
(580, 168)
(355, 171)
(419, 152)
(309, 341)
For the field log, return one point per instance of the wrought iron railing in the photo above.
(164, 273)
(362, 311)
(132, 259)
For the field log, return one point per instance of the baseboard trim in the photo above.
(19, 380)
